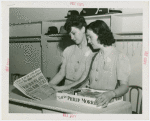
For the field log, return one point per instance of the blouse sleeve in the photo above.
(64, 60)
(123, 68)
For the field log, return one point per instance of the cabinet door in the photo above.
(53, 59)
(25, 30)
(24, 57)
(127, 23)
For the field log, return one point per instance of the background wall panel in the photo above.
(24, 57)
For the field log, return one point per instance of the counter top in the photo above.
(65, 107)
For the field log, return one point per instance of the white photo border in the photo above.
(66, 4)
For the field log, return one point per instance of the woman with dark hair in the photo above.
(75, 56)
(109, 67)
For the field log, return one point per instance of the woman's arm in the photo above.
(104, 99)
(66, 87)
(58, 77)
(62, 72)
(122, 89)
(123, 72)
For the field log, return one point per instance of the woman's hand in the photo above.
(104, 98)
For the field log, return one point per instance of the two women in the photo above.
(109, 66)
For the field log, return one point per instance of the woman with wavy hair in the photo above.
(110, 66)
(75, 57)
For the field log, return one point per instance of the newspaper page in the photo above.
(34, 85)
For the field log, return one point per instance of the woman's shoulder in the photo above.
(69, 49)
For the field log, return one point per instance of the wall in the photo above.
(133, 50)
(22, 15)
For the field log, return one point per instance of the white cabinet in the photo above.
(127, 23)
(27, 29)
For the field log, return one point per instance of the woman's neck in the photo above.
(106, 50)
(83, 43)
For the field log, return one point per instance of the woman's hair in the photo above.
(100, 28)
(74, 21)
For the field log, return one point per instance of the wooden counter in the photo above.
(19, 103)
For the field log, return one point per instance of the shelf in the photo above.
(86, 17)
(128, 37)
(25, 39)
(97, 16)
(127, 14)
(36, 22)
(129, 40)
(56, 35)
(54, 38)
(102, 16)
(129, 33)
(18, 37)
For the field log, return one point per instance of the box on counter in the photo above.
(83, 96)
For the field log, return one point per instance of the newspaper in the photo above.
(34, 85)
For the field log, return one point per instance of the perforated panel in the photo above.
(24, 57)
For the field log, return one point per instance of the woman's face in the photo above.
(92, 39)
(77, 34)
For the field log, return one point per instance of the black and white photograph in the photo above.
(75, 57)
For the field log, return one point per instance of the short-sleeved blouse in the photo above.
(74, 62)
(105, 73)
